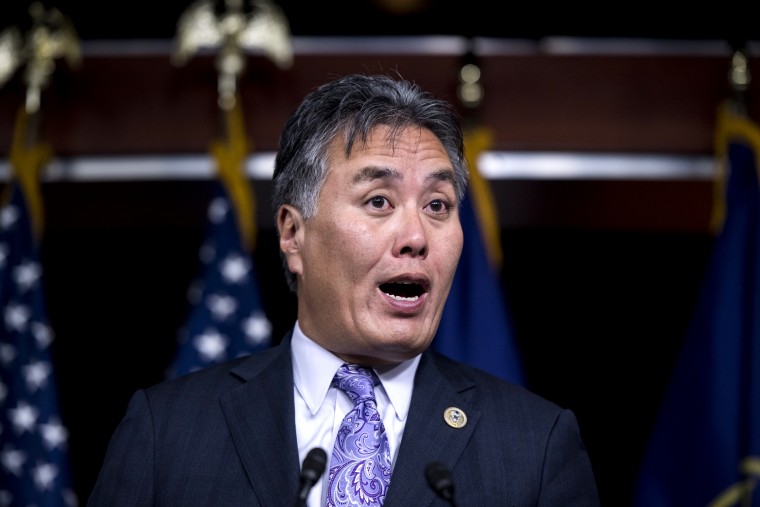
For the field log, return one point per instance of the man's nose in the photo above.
(412, 237)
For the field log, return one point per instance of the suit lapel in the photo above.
(260, 412)
(427, 437)
(261, 419)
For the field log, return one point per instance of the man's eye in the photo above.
(438, 206)
(378, 202)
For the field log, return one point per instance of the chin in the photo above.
(403, 348)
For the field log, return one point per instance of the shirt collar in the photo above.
(314, 368)
(397, 381)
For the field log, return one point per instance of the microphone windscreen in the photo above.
(440, 479)
(314, 464)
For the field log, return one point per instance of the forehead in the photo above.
(383, 141)
(410, 154)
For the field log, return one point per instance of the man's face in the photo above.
(376, 262)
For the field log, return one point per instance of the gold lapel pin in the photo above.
(455, 417)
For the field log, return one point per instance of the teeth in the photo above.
(401, 298)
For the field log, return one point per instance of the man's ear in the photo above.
(290, 229)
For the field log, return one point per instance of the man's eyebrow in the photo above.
(443, 175)
(376, 173)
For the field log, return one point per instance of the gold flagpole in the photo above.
(731, 117)
(51, 36)
(231, 33)
(230, 154)
(478, 139)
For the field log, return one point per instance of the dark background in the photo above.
(601, 277)
(146, 19)
(598, 314)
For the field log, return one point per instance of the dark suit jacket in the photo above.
(226, 436)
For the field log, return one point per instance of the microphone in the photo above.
(440, 479)
(313, 465)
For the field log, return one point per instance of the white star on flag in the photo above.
(217, 210)
(221, 306)
(8, 216)
(43, 335)
(7, 353)
(211, 345)
(226, 318)
(36, 374)
(207, 253)
(12, 460)
(235, 268)
(26, 275)
(44, 474)
(34, 468)
(16, 317)
(54, 434)
(257, 328)
(23, 417)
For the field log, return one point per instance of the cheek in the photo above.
(360, 247)
(458, 244)
(346, 249)
(452, 250)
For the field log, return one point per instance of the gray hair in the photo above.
(353, 106)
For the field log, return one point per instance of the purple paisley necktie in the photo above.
(360, 467)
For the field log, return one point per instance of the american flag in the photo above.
(227, 318)
(34, 467)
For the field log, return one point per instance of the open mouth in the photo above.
(403, 291)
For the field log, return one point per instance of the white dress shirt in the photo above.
(320, 408)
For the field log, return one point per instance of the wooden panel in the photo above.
(533, 102)
(131, 104)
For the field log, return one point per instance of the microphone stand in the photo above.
(440, 479)
(313, 466)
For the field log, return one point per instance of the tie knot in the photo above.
(356, 381)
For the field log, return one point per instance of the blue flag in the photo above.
(476, 327)
(227, 318)
(705, 445)
(34, 466)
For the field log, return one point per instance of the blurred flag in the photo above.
(475, 327)
(227, 318)
(34, 466)
(704, 449)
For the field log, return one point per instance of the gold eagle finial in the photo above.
(51, 36)
(232, 31)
